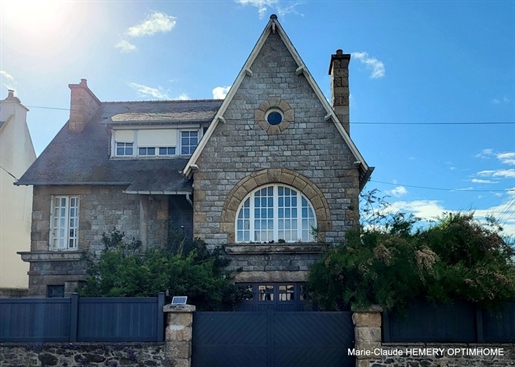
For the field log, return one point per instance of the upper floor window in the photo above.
(64, 226)
(275, 213)
(154, 142)
(189, 141)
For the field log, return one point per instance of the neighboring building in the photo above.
(16, 155)
(269, 173)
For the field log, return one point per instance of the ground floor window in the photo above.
(55, 291)
(64, 227)
(275, 296)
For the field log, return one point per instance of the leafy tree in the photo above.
(123, 270)
(394, 263)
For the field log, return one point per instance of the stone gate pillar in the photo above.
(367, 333)
(179, 333)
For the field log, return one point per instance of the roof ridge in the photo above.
(166, 101)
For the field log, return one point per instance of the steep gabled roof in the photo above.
(273, 26)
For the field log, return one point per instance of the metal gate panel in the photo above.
(272, 339)
(312, 339)
(224, 339)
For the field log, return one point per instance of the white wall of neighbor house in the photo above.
(16, 155)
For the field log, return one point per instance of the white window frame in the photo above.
(248, 226)
(177, 144)
(64, 222)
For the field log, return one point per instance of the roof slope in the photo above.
(84, 158)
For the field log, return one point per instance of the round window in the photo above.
(274, 117)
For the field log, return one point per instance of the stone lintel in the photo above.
(51, 256)
(270, 276)
(282, 248)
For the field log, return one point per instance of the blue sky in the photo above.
(432, 82)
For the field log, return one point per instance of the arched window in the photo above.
(275, 213)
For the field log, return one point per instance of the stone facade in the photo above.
(84, 355)
(310, 146)
(102, 208)
(238, 150)
(305, 151)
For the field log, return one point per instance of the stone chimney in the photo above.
(339, 71)
(11, 97)
(84, 104)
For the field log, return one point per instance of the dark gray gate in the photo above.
(272, 339)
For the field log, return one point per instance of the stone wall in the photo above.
(309, 146)
(446, 355)
(101, 208)
(84, 355)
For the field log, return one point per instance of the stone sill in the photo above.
(51, 256)
(276, 248)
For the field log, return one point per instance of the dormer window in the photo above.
(147, 143)
(189, 141)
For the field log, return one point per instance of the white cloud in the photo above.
(154, 23)
(261, 5)
(146, 91)
(507, 158)
(220, 92)
(503, 100)
(477, 180)
(6, 75)
(125, 46)
(426, 210)
(7, 79)
(377, 67)
(399, 191)
(485, 153)
(503, 173)
(183, 97)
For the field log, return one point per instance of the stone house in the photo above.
(270, 173)
(16, 155)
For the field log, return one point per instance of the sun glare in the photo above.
(34, 17)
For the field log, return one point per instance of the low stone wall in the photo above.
(445, 355)
(84, 355)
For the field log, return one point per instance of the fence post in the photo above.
(386, 327)
(479, 325)
(367, 332)
(179, 333)
(160, 316)
(74, 316)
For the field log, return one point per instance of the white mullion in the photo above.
(299, 217)
(252, 238)
(66, 222)
(52, 223)
(275, 210)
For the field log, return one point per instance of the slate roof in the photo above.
(160, 112)
(84, 158)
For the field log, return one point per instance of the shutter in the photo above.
(157, 138)
(124, 136)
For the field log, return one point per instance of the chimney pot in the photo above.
(84, 82)
(10, 94)
(339, 52)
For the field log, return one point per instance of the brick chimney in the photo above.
(339, 71)
(83, 105)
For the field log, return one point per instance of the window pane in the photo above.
(287, 221)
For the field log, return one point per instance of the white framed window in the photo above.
(124, 149)
(275, 213)
(64, 227)
(189, 141)
(154, 142)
